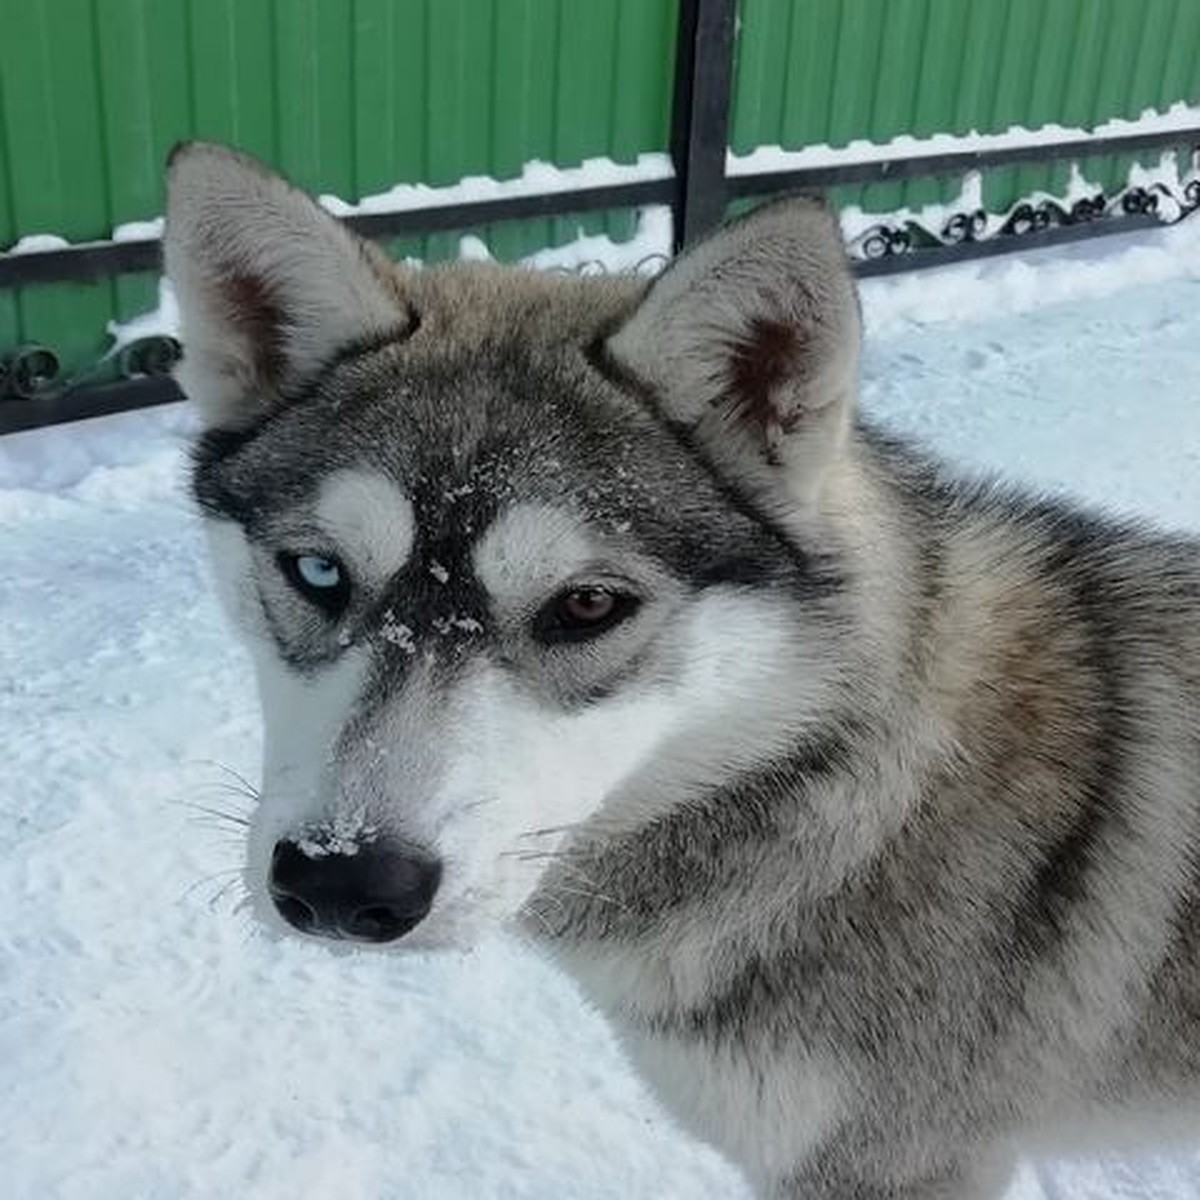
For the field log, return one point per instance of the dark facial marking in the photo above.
(809, 576)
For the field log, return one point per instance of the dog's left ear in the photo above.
(751, 342)
(270, 287)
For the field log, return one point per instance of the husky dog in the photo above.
(865, 803)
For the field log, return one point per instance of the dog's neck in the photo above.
(645, 916)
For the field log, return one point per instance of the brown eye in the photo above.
(582, 613)
(588, 605)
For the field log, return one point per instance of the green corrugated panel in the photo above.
(761, 68)
(1181, 70)
(55, 146)
(856, 70)
(389, 86)
(313, 96)
(808, 85)
(231, 80)
(642, 84)
(1145, 69)
(390, 81)
(141, 49)
(522, 110)
(939, 89)
(10, 324)
(855, 58)
(586, 45)
(894, 101)
(347, 96)
(832, 71)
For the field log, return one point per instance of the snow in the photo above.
(1024, 283)
(536, 178)
(156, 1045)
(39, 243)
(160, 321)
(646, 252)
(764, 159)
(139, 231)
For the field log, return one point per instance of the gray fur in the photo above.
(921, 891)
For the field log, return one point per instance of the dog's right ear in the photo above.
(750, 342)
(270, 287)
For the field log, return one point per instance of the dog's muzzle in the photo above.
(375, 893)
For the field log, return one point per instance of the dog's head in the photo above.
(520, 558)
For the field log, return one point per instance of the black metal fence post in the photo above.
(700, 114)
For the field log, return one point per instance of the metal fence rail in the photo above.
(699, 194)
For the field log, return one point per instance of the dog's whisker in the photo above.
(233, 789)
(476, 804)
(547, 831)
(207, 879)
(589, 894)
(237, 775)
(216, 825)
(224, 889)
(529, 855)
(217, 814)
(541, 919)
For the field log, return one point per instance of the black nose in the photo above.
(376, 894)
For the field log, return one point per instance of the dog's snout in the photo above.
(375, 894)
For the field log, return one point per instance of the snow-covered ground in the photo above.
(153, 1045)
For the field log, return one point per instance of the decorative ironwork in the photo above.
(1162, 204)
(28, 371)
(149, 356)
(31, 387)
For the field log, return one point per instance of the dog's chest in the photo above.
(767, 1111)
(760, 1096)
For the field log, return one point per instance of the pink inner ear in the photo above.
(760, 362)
(256, 312)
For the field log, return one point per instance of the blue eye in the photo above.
(318, 578)
(318, 572)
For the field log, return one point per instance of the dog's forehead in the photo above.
(459, 433)
(444, 437)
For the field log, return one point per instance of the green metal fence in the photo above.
(831, 71)
(346, 96)
(353, 96)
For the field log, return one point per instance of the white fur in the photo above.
(303, 717)
(369, 519)
(233, 571)
(758, 1108)
(302, 787)
(527, 551)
